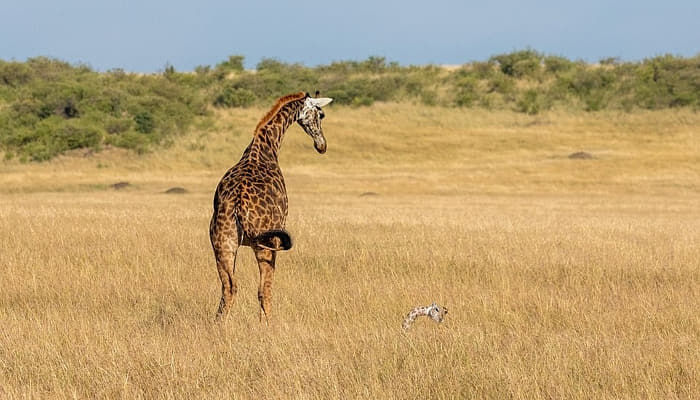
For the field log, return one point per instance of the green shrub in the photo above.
(415, 86)
(144, 122)
(234, 97)
(466, 92)
(233, 64)
(274, 78)
(57, 107)
(532, 101)
(71, 135)
(365, 91)
(270, 64)
(528, 102)
(169, 71)
(362, 101)
(202, 70)
(14, 73)
(429, 98)
(118, 125)
(484, 70)
(595, 100)
(610, 61)
(519, 63)
(501, 83)
(556, 64)
(667, 81)
(592, 86)
(529, 67)
(374, 64)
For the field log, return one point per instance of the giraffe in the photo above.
(434, 311)
(250, 202)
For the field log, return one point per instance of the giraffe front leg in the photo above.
(266, 263)
(225, 265)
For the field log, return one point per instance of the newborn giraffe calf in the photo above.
(434, 311)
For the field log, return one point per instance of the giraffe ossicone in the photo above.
(250, 202)
(318, 101)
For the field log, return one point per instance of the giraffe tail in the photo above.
(266, 240)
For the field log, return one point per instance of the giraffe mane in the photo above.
(281, 102)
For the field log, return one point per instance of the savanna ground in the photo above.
(563, 278)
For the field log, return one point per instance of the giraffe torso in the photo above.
(255, 192)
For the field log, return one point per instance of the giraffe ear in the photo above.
(321, 101)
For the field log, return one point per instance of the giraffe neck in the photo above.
(415, 313)
(268, 137)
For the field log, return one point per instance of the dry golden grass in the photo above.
(564, 278)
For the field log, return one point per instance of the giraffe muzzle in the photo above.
(320, 143)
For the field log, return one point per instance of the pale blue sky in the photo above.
(142, 35)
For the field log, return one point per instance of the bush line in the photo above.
(48, 106)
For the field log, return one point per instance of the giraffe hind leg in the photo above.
(225, 263)
(266, 262)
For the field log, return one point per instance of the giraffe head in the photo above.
(310, 118)
(436, 312)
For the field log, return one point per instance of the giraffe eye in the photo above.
(322, 115)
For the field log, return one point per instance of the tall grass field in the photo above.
(564, 278)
